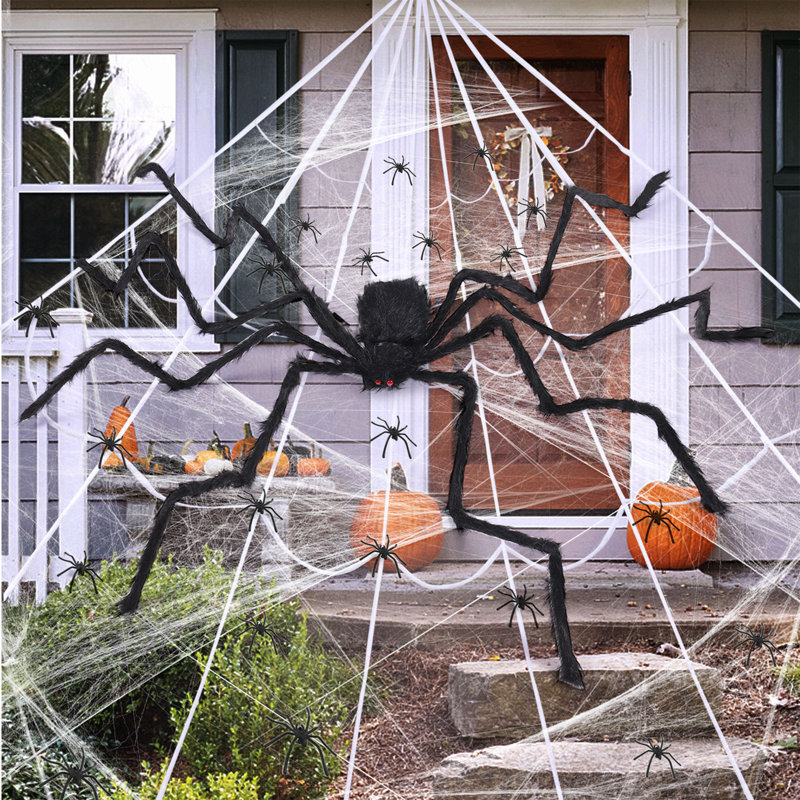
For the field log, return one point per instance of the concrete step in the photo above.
(598, 769)
(495, 698)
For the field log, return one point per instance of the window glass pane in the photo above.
(37, 277)
(45, 86)
(111, 152)
(45, 151)
(163, 221)
(98, 219)
(44, 225)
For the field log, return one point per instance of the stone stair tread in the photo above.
(524, 767)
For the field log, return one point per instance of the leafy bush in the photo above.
(793, 678)
(250, 685)
(230, 786)
(120, 675)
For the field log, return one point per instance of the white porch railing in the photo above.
(28, 459)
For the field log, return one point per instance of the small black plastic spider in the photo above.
(260, 626)
(658, 751)
(506, 254)
(757, 641)
(532, 209)
(110, 444)
(392, 432)
(260, 505)
(31, 313)
(656, 517)
(301, 735)
(384, 551)
(521, 602)
(81, 568)
(401, 167)
(428, 242)
(367, 257)
(303, 225)
(481, 151)
(269, 268)
(76, 775)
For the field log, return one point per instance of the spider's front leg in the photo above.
(569, 671)
(224, 480)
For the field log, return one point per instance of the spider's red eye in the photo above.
(377, 383)
(390, 383)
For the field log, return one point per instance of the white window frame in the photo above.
(190, 36)
(658, 36)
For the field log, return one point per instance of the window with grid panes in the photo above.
(88, 121)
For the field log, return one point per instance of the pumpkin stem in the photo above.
(186, 447)
(398, 481)
(125, 399)
(248, 431)
(150, 448)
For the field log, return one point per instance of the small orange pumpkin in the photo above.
(314, 467)
(674, 536)
(265, 465)
(116, 420)
(243, 447)
(413, 522)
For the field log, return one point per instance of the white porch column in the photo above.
(71, 406)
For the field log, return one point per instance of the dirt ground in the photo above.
(398, 748)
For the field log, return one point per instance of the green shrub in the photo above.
(792, 678)
(236, 715)
(230, 786)
(120, 675)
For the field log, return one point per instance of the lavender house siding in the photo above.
(725, 181)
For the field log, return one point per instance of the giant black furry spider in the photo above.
(301, 735)
(110, 443)
(757, 640)
(31, 312)
(384, 551)
(261, 626)
(398, 337)
(519, 601)
(392, 432)
(655, 516)
(81, 568)
(77, 776)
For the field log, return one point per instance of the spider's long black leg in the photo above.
(154, 368)
(569, 671)
(322, 758)
(709, 498)
(225, 479)
(155, 241)
(546, 274)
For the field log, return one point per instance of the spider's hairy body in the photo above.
(398, 336)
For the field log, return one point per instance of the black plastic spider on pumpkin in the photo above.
(301, 735)
(109, 444)
(428, 242)
(367, 257)
(392, 432)
(399, 336)
(304, 225)
(519, 601)
(261, 626)
(757, 640)
(481, 151)
(81, 568)
(656, 516)
(506, 254)
(77, 776)
(384, 551)
(31, 312)
(260, 505)
(657, 751)
(401, 167)
(532, 209)
(269, 269)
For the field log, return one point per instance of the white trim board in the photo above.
(658, 36)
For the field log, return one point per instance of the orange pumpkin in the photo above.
(314, 467)
(243, 447)
(116, 420)
(674, 536)
(413, 523)
(265, 465)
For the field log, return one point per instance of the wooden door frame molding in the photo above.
(658, 37)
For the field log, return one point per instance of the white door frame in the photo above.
(657, 31)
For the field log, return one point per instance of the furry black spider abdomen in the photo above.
(399, 335)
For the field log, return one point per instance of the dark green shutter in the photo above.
(781, 179)
(254, 68)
